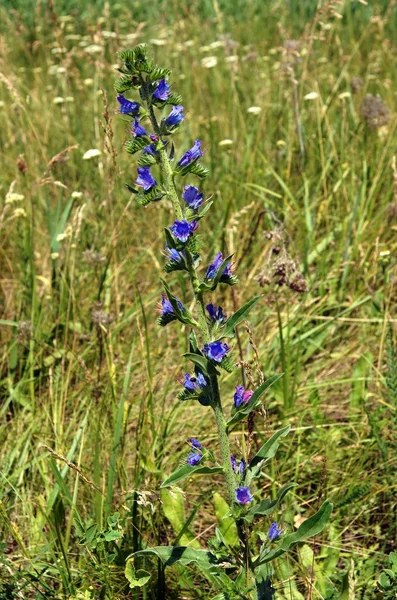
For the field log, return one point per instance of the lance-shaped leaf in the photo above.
(244, 410)
(205, 366)
(238, 317)
(136, 144)
(266, 507)
(183, 316)
(267, 451)
(187, 470)
(312, 526)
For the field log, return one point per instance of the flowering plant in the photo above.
(233, 564)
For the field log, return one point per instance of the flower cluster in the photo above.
(168, 310)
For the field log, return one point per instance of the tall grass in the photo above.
(90, 424)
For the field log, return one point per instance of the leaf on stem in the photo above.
(238, 317)
(187, 470)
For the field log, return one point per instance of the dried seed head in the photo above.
(25, 331)
(375, 111)
(298, 283)
(100, 317)
(21, 164)
(356, 84)
(94, 258)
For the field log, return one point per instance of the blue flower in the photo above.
(243, 495)
(166, 306)
(216, 351)
(241, 396)
(127, 107)
(189, 383)
(145, 179)
(162, 91)
(182, 230)
(215, 265)
(216, 314)
(195, 444)
(137, 129)
(175, 116)
(201, 381)
(174, 255)
(233, 462)
(193, 459)
(194, 383)
(191, 155)
(242, 466)
(274, 531)
(192, 197)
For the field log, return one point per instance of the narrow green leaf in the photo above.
(187, 470)
(169, 555)
(266, 507)
(269, 448)
(184, 316)
(243, 411)
(312, 526)
(238, 317)
(201, 362)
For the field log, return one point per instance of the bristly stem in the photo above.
(224, 444)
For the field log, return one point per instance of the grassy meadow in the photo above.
(303, 177)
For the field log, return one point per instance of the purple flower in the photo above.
(242, 466)
(215, 265)
(216, 314)
(174, 255)
(166, 306)
(216, 351)
(162, 91)
(194, 383)
(137, 129)
(241, 396)
(191, 155)
(175, 116)
(195, 444)
(126, 106)
(193, 459)
(274, 531)
(233, 462)
(243, 495)
(189, 383)
(145, 179)
(182, 230)
(192, 197)
(201, 381)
